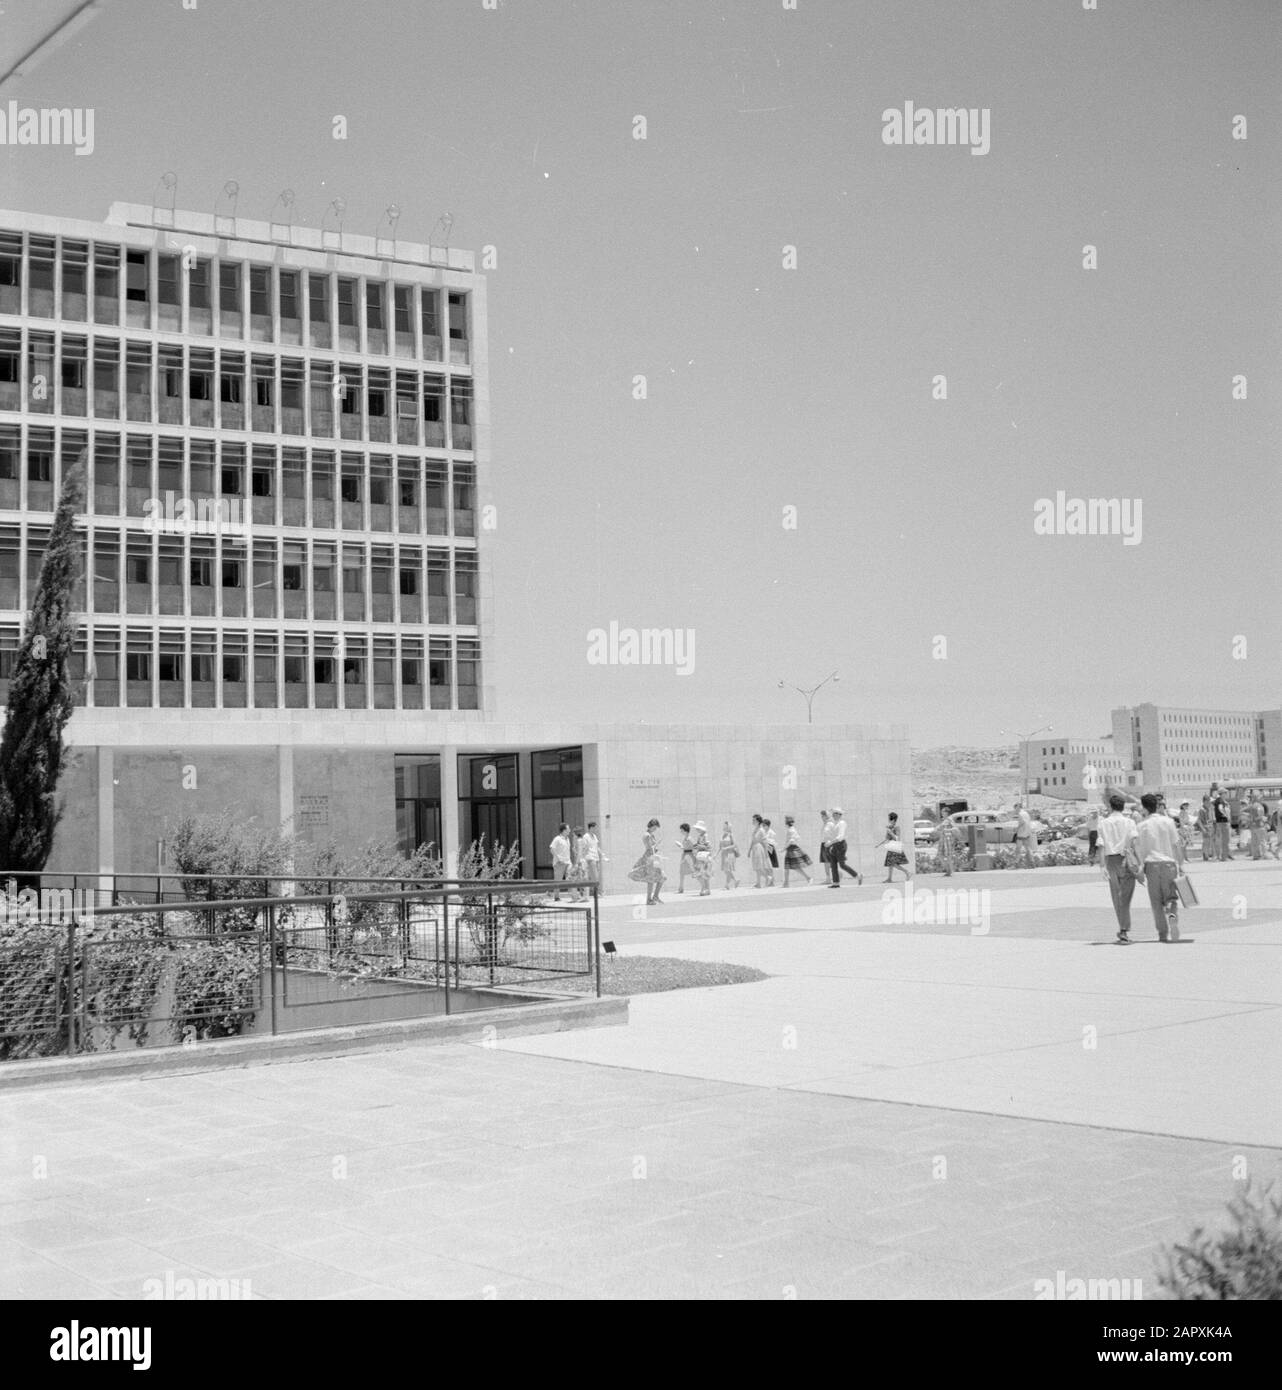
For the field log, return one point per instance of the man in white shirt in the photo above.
(1161, 853)
(590, 853)
(1117, 835)
(562, 858)
(1024, 838)
(837, 850)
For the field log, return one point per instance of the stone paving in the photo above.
(896, 1113)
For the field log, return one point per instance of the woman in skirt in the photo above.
(702, 858)
(795, 859)
(895, 858)
(757, 855)
(652, 861)
(729, 856)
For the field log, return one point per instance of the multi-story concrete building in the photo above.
(1187, 749)
(1072, 769)
(286, 602)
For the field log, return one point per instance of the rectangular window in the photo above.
(167, 287)
(289, 294)
(136, 277)
(229, 291)
(260, 291)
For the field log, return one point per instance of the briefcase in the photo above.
(1187, 893)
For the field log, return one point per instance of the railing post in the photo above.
(271, 969)
(445, 928)
(70, 988)
(595, 934)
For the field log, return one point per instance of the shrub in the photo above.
(250, 856)
(216, 989)
(1242, 1261)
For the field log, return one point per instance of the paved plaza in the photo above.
(897, 1112)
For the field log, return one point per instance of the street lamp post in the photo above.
(1024, 738)
(810, 694)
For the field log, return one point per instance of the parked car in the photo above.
(997, 829)
(999, 826)
(925, 832)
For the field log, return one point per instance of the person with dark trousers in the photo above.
(1222, 815)
(1118, 835)
(837, 851)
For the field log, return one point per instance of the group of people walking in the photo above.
(698, 855)
(576, 856)
(1149, 851)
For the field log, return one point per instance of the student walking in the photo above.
(823, 843)
(591, 854)
(1121, 862)
(770, 848)
(1223, 824)
(757, 855)
(837, 851)
(1206, 828)
(895, 856)
(729, 856)
(702, 859)
(650, 865)
(1160, 852)
(686, 845)
(795, 859)
(1025, 839)
(1092, 835)
(1184, 823)
(562, 859)
(946, 845)
(1259, 822)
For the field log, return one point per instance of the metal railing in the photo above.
(147, 974)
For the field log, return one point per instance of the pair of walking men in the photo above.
(1151, 853)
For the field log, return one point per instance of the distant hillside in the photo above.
(986, 777)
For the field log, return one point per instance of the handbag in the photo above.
(894, 846)
(1187, 893)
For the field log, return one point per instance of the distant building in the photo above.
(1191, 748)
(1072, 768)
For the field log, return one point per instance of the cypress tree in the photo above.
(33, 755)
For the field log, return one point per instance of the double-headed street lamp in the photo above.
(1024, 739)
(810, 694)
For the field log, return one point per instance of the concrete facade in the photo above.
(131, 784)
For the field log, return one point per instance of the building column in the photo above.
(285, 787)
(449, 811)
(106, 816)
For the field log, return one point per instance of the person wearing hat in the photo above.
(837, 850)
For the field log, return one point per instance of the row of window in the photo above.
(140, 667)
(58, 278)
(229, 483)
(177, 576)
(159, 383)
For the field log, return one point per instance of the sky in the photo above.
(792, 490)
